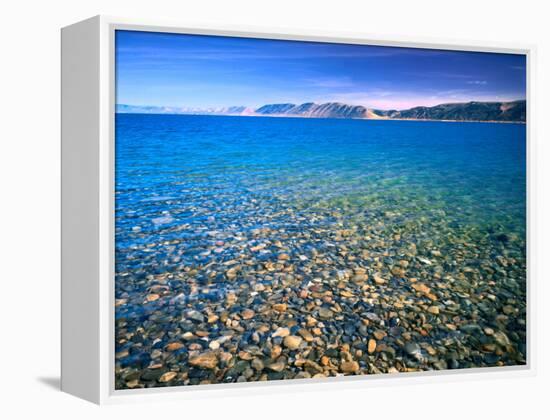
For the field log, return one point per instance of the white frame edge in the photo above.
(80, 122)
(99, 387)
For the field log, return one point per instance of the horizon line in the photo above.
(316, 103)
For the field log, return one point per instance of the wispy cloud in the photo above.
(334, 82)
(227, 54)
(439, 75)
(303, 52)
(477, 82)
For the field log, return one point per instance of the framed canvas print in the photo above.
(243, 210)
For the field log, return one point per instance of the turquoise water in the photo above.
(176, 169)
(195, 195)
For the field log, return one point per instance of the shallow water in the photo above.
(198, 195)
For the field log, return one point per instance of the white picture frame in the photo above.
(88, 214)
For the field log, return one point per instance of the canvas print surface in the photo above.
(290, 210)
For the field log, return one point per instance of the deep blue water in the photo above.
(212, 171)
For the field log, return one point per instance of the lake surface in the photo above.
(407, 233)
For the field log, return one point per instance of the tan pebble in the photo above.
(379, 280)
(349, 367)
(292, 342)
(244, 355)
(379, 334)
(225, 357)
(152, 297)
(280, 307)
(311, 322)
(168, 376)
(398, 271)
(207, 360)
(248, 314)
(174, 346)
(231, 273)
(421, 288)
(488, 331)
(431, 351)
(306, 335)
(371, 346)
(263, 328)
(434, 310)
(133, 383)
(489, 347)
(194, 346)
(277, 366)
(360, 278)
(276, 351)
(281, 332)
(122, 354)
(310, 365)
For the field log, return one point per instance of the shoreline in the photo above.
(326, 118)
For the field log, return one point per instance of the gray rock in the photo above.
(412, 348)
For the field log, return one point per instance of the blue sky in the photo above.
(179, 70)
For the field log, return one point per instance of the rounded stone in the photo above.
(292, 342)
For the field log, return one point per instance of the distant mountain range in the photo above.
(514, 111)
(312, 110)
(469, 111)
(140, 109)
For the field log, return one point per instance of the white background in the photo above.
(30, 177)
